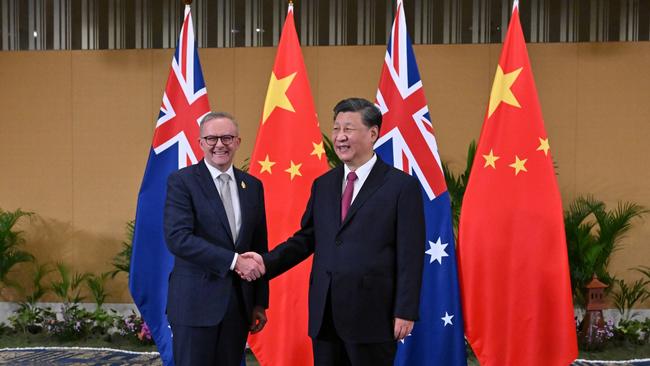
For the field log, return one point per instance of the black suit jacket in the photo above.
(371, 263)
(198, 234)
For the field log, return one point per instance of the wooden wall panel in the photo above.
(76, 127)
(613, 134)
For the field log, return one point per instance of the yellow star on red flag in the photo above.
(319, 150)
(543, 145)
(294, 170)
(501, 91)
(519, 165)
(266, 165)
(490, 160)
(276, 95)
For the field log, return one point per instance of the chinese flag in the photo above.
(512, 255)
(287, 157)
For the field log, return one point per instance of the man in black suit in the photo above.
(364, 223)
(213, 212)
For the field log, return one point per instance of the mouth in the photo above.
(218, 153)
(342, 148)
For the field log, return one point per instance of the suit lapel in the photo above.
(373, 182)
(210, 190)
(335, 191)
(244, 199)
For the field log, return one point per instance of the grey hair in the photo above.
(216, 115)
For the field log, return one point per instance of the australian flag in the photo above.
(175, 145)
(408, 143)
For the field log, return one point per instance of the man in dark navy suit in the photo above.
(364, 223)
(213, 212)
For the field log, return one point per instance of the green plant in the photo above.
(10, 242)
(628, 295)
(74, 323)
(332, 159)
(122, 261)
(644, 270)
(457, 184)
(29, 318)
(96, 285)
(103, 321)
(634, 331)
(135, 329)
(593, 233)
(68, 288)
(245, 165)
(38, 289)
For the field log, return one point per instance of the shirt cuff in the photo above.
(234, 260)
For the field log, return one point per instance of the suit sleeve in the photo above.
(297, 248)
(179, 231)
(411, 237)
(260, 245)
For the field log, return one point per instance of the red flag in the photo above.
(287, 157)
(512, 255)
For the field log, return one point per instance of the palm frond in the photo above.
(332, 159)
(10, 241)
(122, 261)
(593, 233)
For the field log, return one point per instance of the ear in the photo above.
(374, 133)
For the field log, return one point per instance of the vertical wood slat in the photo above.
(599, 20)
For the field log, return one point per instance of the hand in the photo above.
(403, 328)
(259, 319)
(250, 266)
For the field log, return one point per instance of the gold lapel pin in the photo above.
(243, 185)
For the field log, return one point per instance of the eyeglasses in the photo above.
(211, 140)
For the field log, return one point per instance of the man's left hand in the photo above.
(259, 319)
(403, 328)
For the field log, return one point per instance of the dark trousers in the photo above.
(331, 350)
(221, 345)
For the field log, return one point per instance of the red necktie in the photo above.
(346, 201)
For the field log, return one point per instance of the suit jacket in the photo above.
(198, 234)
(371, 263)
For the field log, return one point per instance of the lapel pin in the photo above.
(243, 185)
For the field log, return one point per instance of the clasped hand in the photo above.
(250, 266)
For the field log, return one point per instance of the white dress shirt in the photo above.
(234, 195)
(362, 174)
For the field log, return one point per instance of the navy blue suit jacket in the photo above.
(371, 263)
(198, 234)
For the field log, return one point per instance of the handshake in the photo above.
(250, 266)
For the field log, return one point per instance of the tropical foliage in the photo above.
(332, 159)
(122, 261)
(457, 184)
(68, 287)
(593, 233)
(10, 242)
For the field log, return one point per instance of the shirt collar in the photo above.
(363, 171)
(215, 173)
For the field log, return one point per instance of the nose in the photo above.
(339, 136)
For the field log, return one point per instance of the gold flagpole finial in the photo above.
(290, 2)
(187, 2)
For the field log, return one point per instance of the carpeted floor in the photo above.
(109, 357)
(75, 356)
